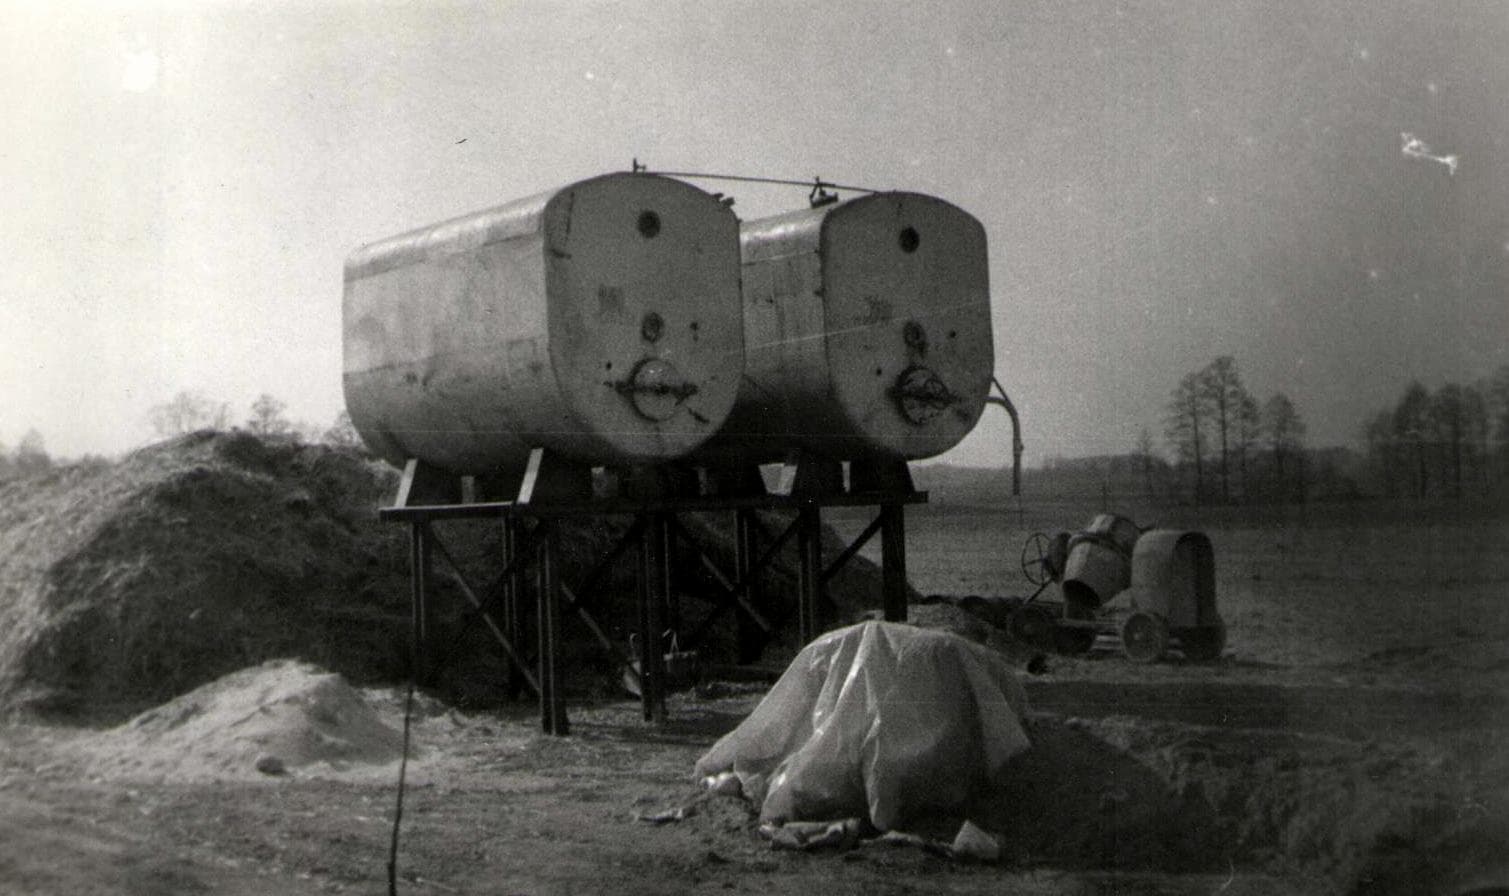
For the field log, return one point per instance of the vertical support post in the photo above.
(653, 588)
(751, 640)
(809, 572)
(893, 561)
(670, 599)
(419, 579)
(548, 587)
(513, 611)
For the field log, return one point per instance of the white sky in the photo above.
(1161, 182)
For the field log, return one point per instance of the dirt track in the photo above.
(1312, 759)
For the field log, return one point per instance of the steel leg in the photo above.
(809, 573)
(654, 585)
(893, 561)
(419, 577)
(552, 707)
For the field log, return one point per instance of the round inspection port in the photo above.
(657, 389)
(909, 239)
(921, 396)
(651, 327)
(914, 336)
(649, 225)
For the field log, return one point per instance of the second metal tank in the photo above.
(867, 332)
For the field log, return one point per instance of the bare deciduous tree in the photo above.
(1187, 419)
(187, 412)
(1224, 393)
(31, 454)
(342, 434)
(1145, 457)
(267, 416)
(1249, 428)
(1285, 433)
(1412, 425)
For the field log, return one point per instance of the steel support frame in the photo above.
(652, 536)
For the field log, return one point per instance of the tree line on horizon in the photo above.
(1229, 447)
(189, 412)
(1451, 442)
(1222, 446)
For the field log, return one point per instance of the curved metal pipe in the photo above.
(1016, 434)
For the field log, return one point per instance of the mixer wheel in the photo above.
(1144, 636)
(1033, 625)
(1037, 559)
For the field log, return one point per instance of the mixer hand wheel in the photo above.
(1037, 563)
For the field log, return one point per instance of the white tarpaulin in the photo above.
(881, 720)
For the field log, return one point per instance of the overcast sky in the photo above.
(1161, 182)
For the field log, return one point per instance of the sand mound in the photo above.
(269, 720)
(124, 584)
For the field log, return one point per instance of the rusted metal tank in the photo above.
(600, 321)
(867, 332)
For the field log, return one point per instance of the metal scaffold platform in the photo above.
(552, 490)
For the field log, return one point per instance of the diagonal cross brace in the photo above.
(854, 548)
(739, 591)
(471, 597)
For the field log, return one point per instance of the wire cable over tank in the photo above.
(819, 194)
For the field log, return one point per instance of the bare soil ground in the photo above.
(1352, 739)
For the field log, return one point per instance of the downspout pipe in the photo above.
(1016, 434)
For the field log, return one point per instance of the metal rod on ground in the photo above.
(419, 569)
(403, 770)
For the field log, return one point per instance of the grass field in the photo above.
(1297, 585)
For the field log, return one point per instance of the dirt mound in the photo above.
(126, 584)
(1129, 793)
(265, 721)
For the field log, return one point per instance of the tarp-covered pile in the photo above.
(881, 720)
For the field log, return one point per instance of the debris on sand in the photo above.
(271, 720)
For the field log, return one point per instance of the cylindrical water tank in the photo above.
(867, 332)
(600, 321)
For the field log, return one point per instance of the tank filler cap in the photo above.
(655, 388)
(921, 395)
